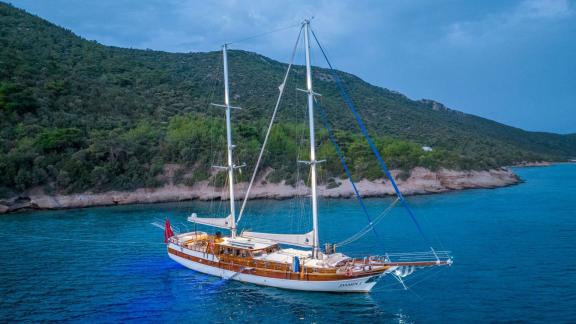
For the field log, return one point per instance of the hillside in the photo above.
(76, 115)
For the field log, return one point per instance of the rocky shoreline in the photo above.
(526, 164)
(421, 181)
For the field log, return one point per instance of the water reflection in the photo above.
(245, 302)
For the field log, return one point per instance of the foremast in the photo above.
(229, 143)
(313, 162)
(228, 222)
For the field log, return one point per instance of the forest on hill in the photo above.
(78, 116)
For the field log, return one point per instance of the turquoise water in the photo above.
(514, 250)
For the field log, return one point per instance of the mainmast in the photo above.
(316, 246)
(230, 149)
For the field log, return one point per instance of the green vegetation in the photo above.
(76, 115)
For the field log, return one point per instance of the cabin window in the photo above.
(272, 249)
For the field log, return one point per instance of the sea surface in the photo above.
(514, 254)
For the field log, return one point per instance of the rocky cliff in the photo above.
(420, 181)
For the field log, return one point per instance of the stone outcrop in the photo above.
(533, 164)
(420, 181)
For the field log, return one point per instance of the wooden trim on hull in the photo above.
(276, 270)
(353, 285)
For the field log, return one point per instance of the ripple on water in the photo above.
(513, 247)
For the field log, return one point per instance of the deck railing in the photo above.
(443, 257)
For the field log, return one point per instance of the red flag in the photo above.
(167, 231)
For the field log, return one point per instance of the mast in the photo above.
(316, 246)
(230, 149)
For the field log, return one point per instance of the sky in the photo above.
(509, 61)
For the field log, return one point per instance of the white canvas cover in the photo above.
(303, 240)
(221, 222)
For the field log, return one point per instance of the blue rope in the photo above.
(383, 165)
(344, 164)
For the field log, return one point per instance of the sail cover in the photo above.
(221, 222)
(303, 240)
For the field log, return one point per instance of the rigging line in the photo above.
(301, 183)
(433, 273)
(205, 103)
(282, 87)
(367, 228)
(213, 131)
(264, 34)
(344, 164)
(373, 147)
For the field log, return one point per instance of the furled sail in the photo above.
(221, 222)
(303, 240)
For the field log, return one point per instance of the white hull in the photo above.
(351, 285)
